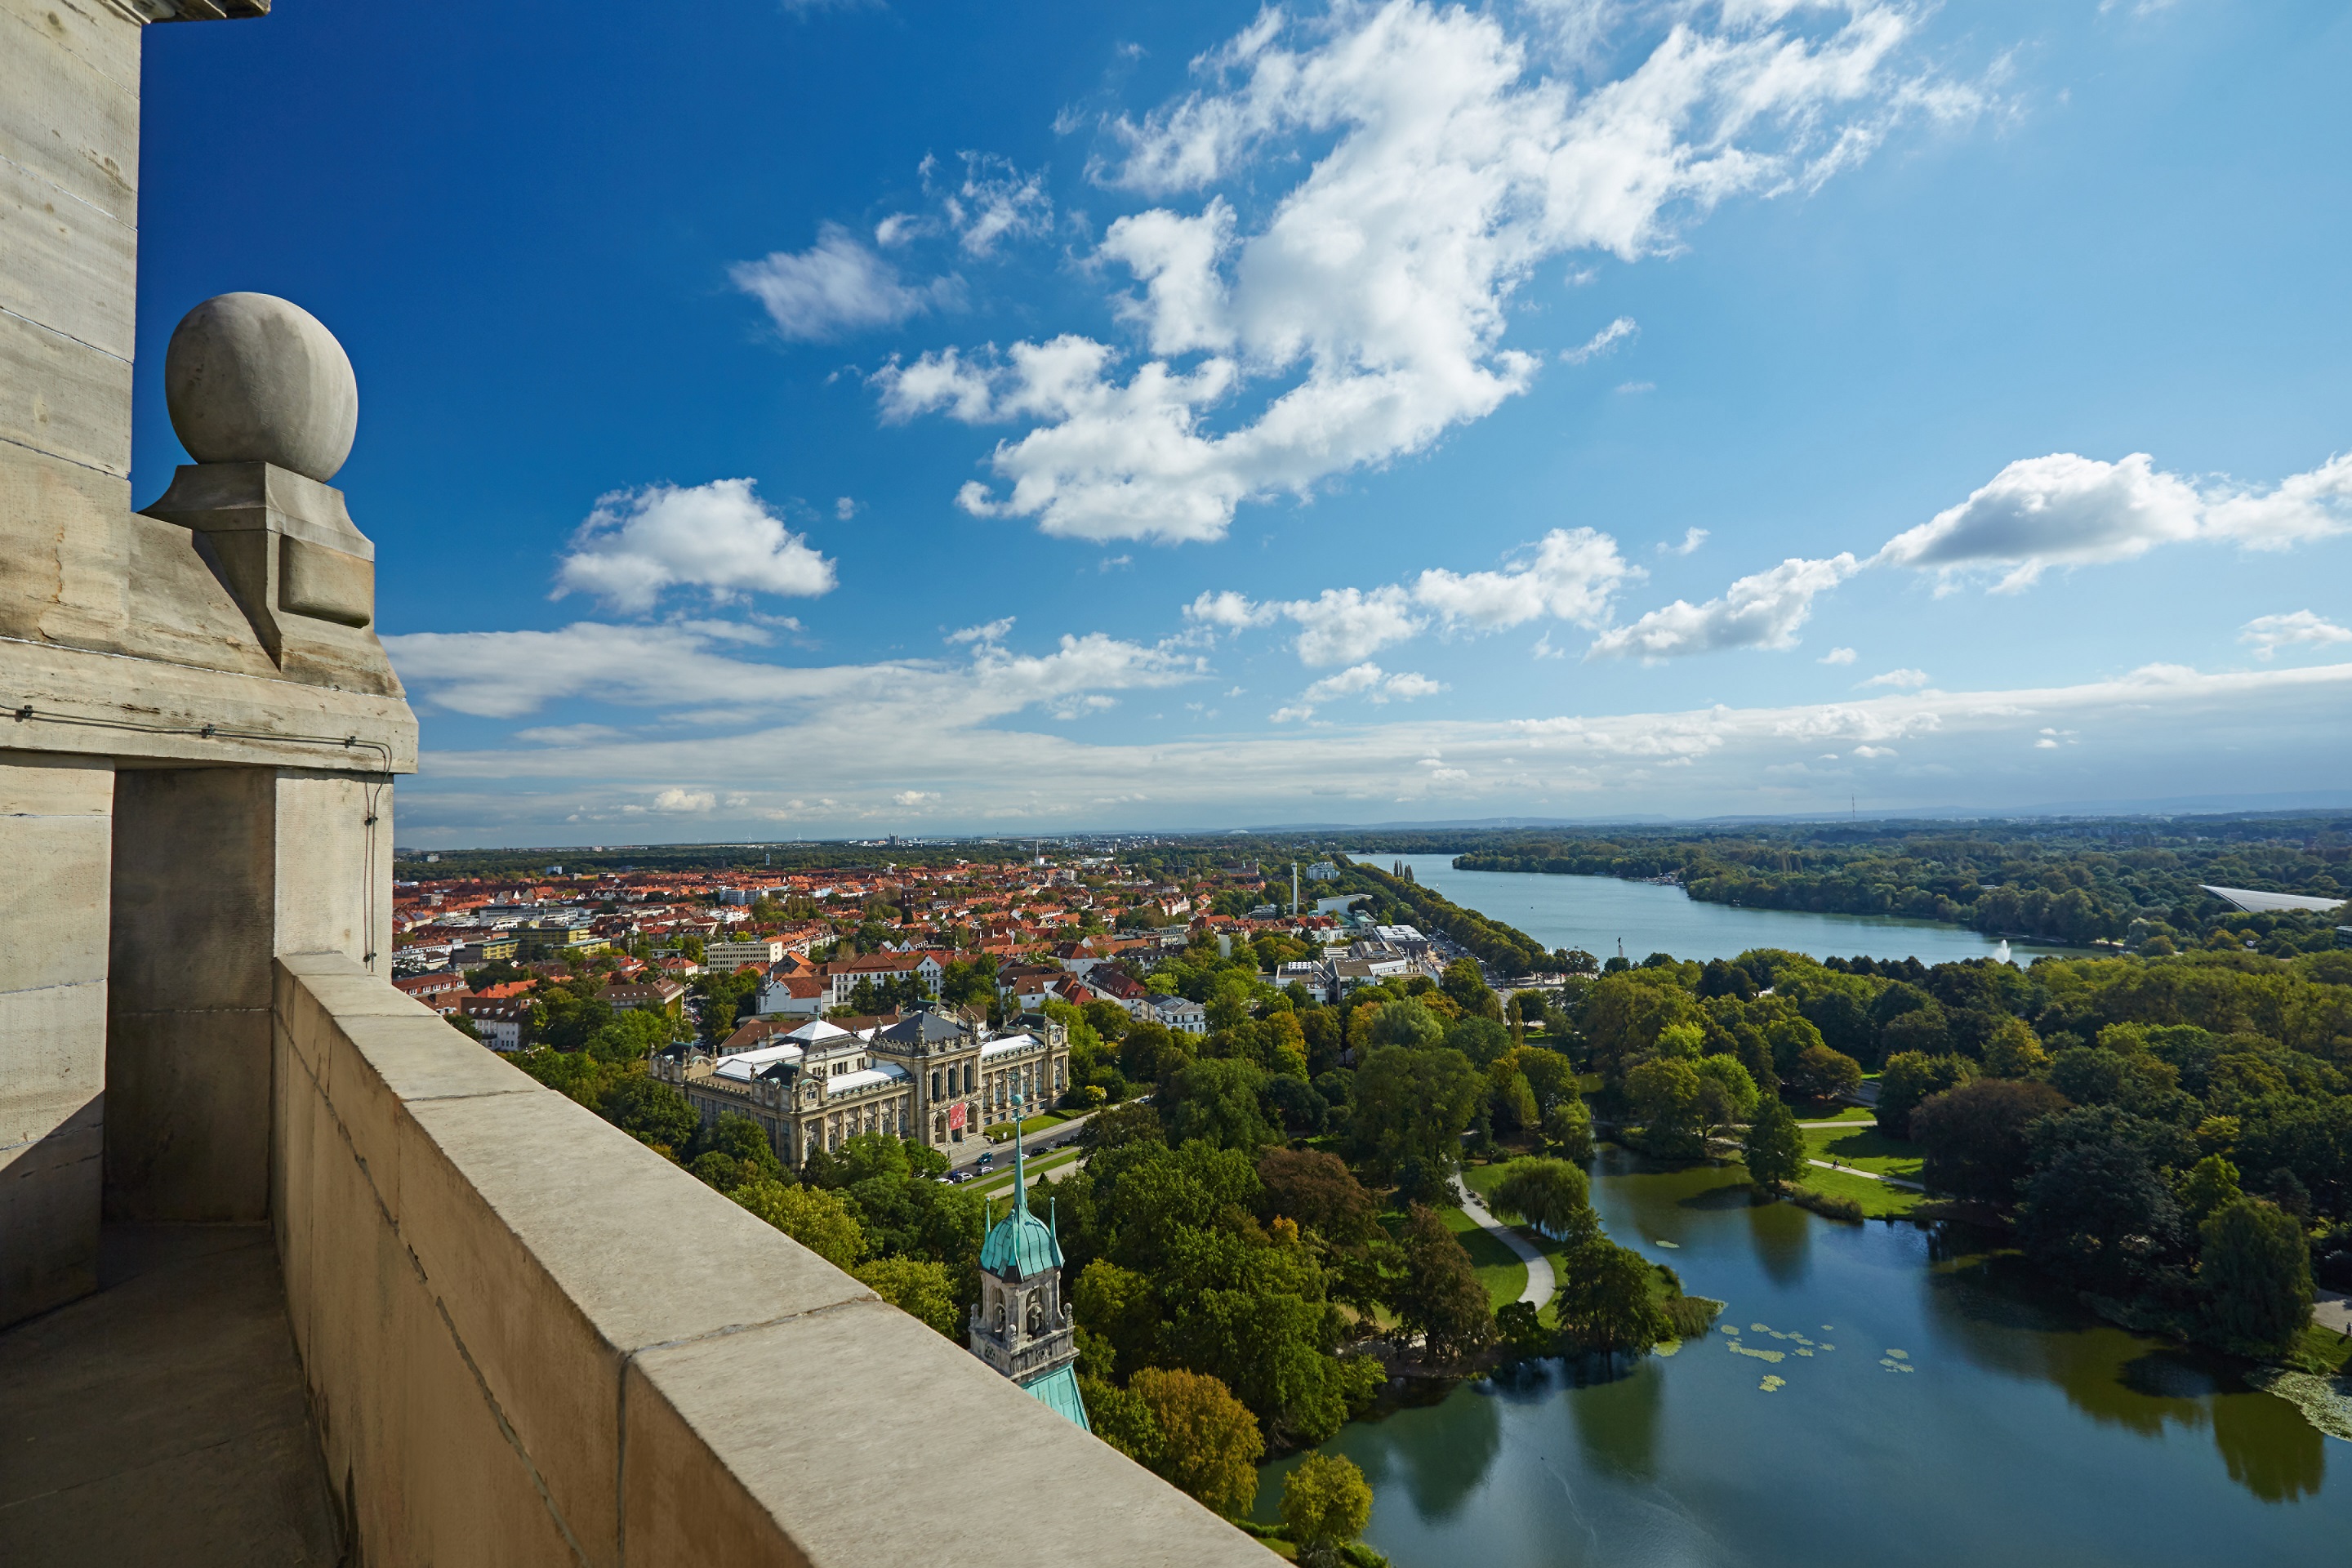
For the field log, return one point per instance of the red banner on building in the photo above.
(955, 1116)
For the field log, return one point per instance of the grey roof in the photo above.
(922, 1029)
(2254, 902)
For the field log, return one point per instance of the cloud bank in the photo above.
(1365, 315)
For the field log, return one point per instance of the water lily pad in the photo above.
(1676, 1245)
(1666, 1347)
(1738, 1349)
(1808, 1354)
(1900, 1355)
(1772, 1384)
(1731, 1329)
(1761, 1328)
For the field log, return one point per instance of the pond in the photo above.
(1596, 913)
(1935, 1404)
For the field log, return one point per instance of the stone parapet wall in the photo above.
(529, 1339)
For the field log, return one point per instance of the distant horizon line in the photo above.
(2165, 809)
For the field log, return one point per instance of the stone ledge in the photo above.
(649, 1374)
(86, 687)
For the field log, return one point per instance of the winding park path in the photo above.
(1540, 1283)
(1866, 1175)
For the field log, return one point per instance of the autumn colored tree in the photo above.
(1326, 1501)
(1209, 1442)
(917, 1287)
(819, 1220)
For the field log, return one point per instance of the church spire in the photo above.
(1020, 1174)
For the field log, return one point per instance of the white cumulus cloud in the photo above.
(719, 537)
(1900, 679)
(1838, 656)
(1368, 681)
(1572, 576)
(1366, 312)
(836, 287)
(2065, 509)
(1764, 610)
(2268, 634)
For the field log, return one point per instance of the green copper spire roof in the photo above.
(1022, 1244)
(1058, 1390)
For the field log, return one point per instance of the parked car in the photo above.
(987, 1159)
(957, 1176)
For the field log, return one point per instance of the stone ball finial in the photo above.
(251, 378)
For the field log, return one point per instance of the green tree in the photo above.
(1774, 1149)
(1326, 1501)
(917, 1287)
(1406, 1022)
(1123, 1420)
(1553, 1195)
(1604, 1302)
(649, 1111)
(1209, 1442)
(1413, 1105)
(1821, 1073)
(1465, 983)
(1218, 1100)
(1119, 1306)
(2014, 1051)
(1568, 1127)
(1665, 1096)
(819, 1220)
(1440, 1298)
(2211, 1183)
(732, 1150)
(1479, 1038)
(1728, 1094)
(1911, 1078)
(2256, 1272)
(1974, 1136)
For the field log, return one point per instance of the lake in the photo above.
(1596, 913)
(1938, 1406)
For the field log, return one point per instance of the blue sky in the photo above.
(827, 420)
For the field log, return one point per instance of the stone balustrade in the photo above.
(529, 1339)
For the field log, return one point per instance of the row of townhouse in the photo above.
(501, 1013)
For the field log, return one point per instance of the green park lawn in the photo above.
(1483, 1180)
(1864, 1148)
(1499, 1269)
(1878, 1199)
(1843, 1113)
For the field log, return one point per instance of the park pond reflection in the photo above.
(1886, 1393)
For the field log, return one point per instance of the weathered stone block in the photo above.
(48, 1215)
(326, 900)
(98, 36)
(64, 265)
(193, 870)
(72, 117)
(63, 397)
(52, 1057)
(53, 921)
(187, 1109)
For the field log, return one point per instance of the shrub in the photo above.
(1829, 1205)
